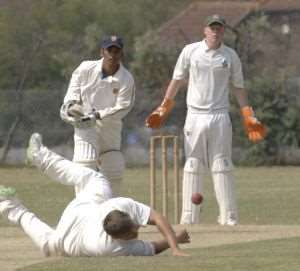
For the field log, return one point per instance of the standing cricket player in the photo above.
(210, 67)
(94, 223)
(99, 95)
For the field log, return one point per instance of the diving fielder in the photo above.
(99, 95)
(94, 223)
(210, 67)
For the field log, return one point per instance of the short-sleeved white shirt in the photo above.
(80, 230)
(113, 96)
(209, 72)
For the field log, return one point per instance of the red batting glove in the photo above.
(255, 130)
(156, 119)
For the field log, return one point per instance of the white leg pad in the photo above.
(225, 191)
(112, 165)
(192, 182)
(85, 154)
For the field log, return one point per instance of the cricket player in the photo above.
(210, 67)
(94, 223)
(99, 96)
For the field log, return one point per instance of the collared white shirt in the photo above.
(112, 96)
(209, 72)
(80, 230)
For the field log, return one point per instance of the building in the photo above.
(273, 43)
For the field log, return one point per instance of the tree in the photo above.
(275, 102)
(38, 50)
(274, 99)
(41, 43)
(21, 43)
(277, 105)
(153, 66)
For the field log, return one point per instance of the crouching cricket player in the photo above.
(94, 223)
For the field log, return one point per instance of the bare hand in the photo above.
(183, 237)
(179, 253)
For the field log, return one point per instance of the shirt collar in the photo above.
(206, 49)
(109, 77)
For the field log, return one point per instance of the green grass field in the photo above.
(282, 255)
(266, 196)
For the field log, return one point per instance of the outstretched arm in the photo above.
(161, 245)
(173, 88)
(156, 119)
(241, 96)
(171, 240)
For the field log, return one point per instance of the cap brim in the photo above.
(112, 44)
(216, 22)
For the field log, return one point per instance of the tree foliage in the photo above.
(153, 67)
(273, 94)
(274, 99)
(42, 41)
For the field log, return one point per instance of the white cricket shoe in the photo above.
(231, 221)
(10, 207)
(34, 146)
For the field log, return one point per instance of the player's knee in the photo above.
(222, 164)
(112, 165)
(194, 165)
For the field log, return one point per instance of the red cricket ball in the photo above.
(197, 198)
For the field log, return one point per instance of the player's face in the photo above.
(214, 35)
(112, 55)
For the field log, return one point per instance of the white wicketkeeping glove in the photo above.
(72, 113)
(64, 113)
(86, 121)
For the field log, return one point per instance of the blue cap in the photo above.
(113, 40)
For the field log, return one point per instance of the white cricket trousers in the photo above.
(93, 187)
(208, 141)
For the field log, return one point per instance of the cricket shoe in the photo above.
(231, 221)
(34, 146)
(10, 207)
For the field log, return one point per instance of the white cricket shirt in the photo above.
(209, 72)
(80, 231)
(112, 96)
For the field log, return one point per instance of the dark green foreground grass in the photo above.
(275, 255)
